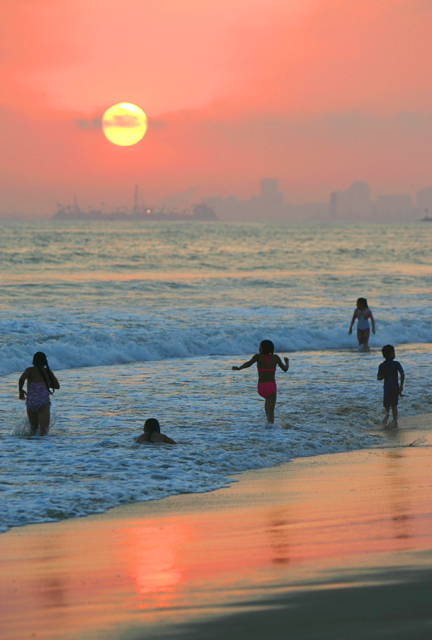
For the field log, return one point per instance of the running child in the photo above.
(266, 361)
(362, 313)
(389, 371)
(152, 434)
(40, 381)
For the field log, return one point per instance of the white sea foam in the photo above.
(105, 338)
(89, 462)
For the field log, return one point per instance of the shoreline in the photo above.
(320, 524)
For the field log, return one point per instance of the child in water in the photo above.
(389, 370)
(266, 364)
(362, 313)
(40, 381)
(152, 434)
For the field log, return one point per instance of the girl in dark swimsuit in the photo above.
(40, 381)
(267, 361)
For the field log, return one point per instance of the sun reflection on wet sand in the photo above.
(168, 561)
(151, 552)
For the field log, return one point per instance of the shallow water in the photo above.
(141, 321)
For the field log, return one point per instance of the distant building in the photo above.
(203, 212)
(268, 205)
(225, 208)
(393, 207)
(336, 205)
(353, 203)
(269, 191)
(424, 203)
(424, 199)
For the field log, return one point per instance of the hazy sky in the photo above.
(316, 93)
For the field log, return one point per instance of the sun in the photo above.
(124, 124)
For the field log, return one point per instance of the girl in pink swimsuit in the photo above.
(266, 361)
(40, 381)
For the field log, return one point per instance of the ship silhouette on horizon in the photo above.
(200, 212)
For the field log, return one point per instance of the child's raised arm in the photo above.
(353, 319)
(247, 364)
(283, 365)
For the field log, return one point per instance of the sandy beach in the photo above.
(331, 546)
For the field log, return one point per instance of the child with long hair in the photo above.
(266, 361)
(362, 314)
(40, 381)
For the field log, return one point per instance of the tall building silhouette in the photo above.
(355, 202)
(269, 191)
(424, 200)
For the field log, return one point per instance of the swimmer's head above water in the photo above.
(151, 425)
(152, 433)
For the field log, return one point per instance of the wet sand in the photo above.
(336, 546)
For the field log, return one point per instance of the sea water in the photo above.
(146, 320)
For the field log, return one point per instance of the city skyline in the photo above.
(270, 204)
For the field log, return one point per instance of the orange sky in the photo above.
(315, 93)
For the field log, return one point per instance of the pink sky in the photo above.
(315, 93)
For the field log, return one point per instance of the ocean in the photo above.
(146, 320)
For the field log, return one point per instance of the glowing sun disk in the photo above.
(124, 124)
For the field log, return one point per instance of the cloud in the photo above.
(122, 121)
(157, 123)
(93, 123)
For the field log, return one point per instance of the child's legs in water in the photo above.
(34, 422)
(363, 338)
(270, 403)
(391, 397)
(44, 419)
(39, 420)
(394, 422)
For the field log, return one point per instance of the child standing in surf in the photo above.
(40, 381)
(391, 371)
(362, 314)
(266, 361)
